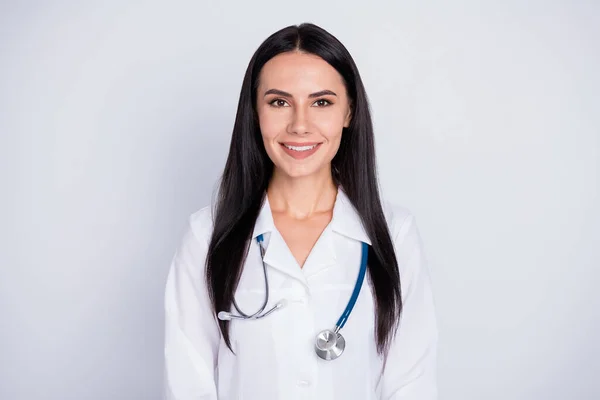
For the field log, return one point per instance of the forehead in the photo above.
(295, 71)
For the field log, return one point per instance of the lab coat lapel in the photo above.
(279, 257)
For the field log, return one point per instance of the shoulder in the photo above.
(403, 229)
(398, 218)
(192, 248)
(201, 224)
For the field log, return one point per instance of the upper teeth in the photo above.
(300, 148)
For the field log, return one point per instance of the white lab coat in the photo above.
(275, 357)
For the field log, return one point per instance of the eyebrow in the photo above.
(310, 96)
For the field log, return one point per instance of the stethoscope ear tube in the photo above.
(257, 314)
(225, 316)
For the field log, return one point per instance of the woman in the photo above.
(297, 220)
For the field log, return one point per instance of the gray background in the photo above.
(115, 119)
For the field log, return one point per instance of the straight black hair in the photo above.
(248, 171)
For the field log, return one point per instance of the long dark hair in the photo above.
(248, 171)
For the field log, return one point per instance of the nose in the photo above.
(299, 124)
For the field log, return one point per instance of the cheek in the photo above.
(331, 128)
(270, 126)
(269, 131)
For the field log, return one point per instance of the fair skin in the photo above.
(301, 103)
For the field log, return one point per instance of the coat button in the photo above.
(303, 383)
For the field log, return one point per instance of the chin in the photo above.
(303, 171)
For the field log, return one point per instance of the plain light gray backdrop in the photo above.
(115, 120)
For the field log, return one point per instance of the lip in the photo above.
(300, 155)
(298, 144)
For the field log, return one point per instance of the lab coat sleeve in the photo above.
(410, 369)
(191, 330)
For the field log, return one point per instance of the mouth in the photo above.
(300, 150)
(299, 146)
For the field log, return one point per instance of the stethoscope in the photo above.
(329, 343)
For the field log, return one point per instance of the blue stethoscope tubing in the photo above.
(329, 344)
(357, 287)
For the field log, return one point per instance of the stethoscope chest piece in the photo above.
(329, 345)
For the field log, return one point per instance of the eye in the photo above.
(277, 103)
(323, 103)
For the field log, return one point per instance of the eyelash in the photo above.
(326, 105)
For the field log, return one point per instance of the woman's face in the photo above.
(302, 108)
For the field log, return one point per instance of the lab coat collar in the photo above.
(345, 219)
(264, 222)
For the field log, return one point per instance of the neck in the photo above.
(300, 198)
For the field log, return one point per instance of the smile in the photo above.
(300, 151)
(300, 148)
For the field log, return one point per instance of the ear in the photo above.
(348, 118)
